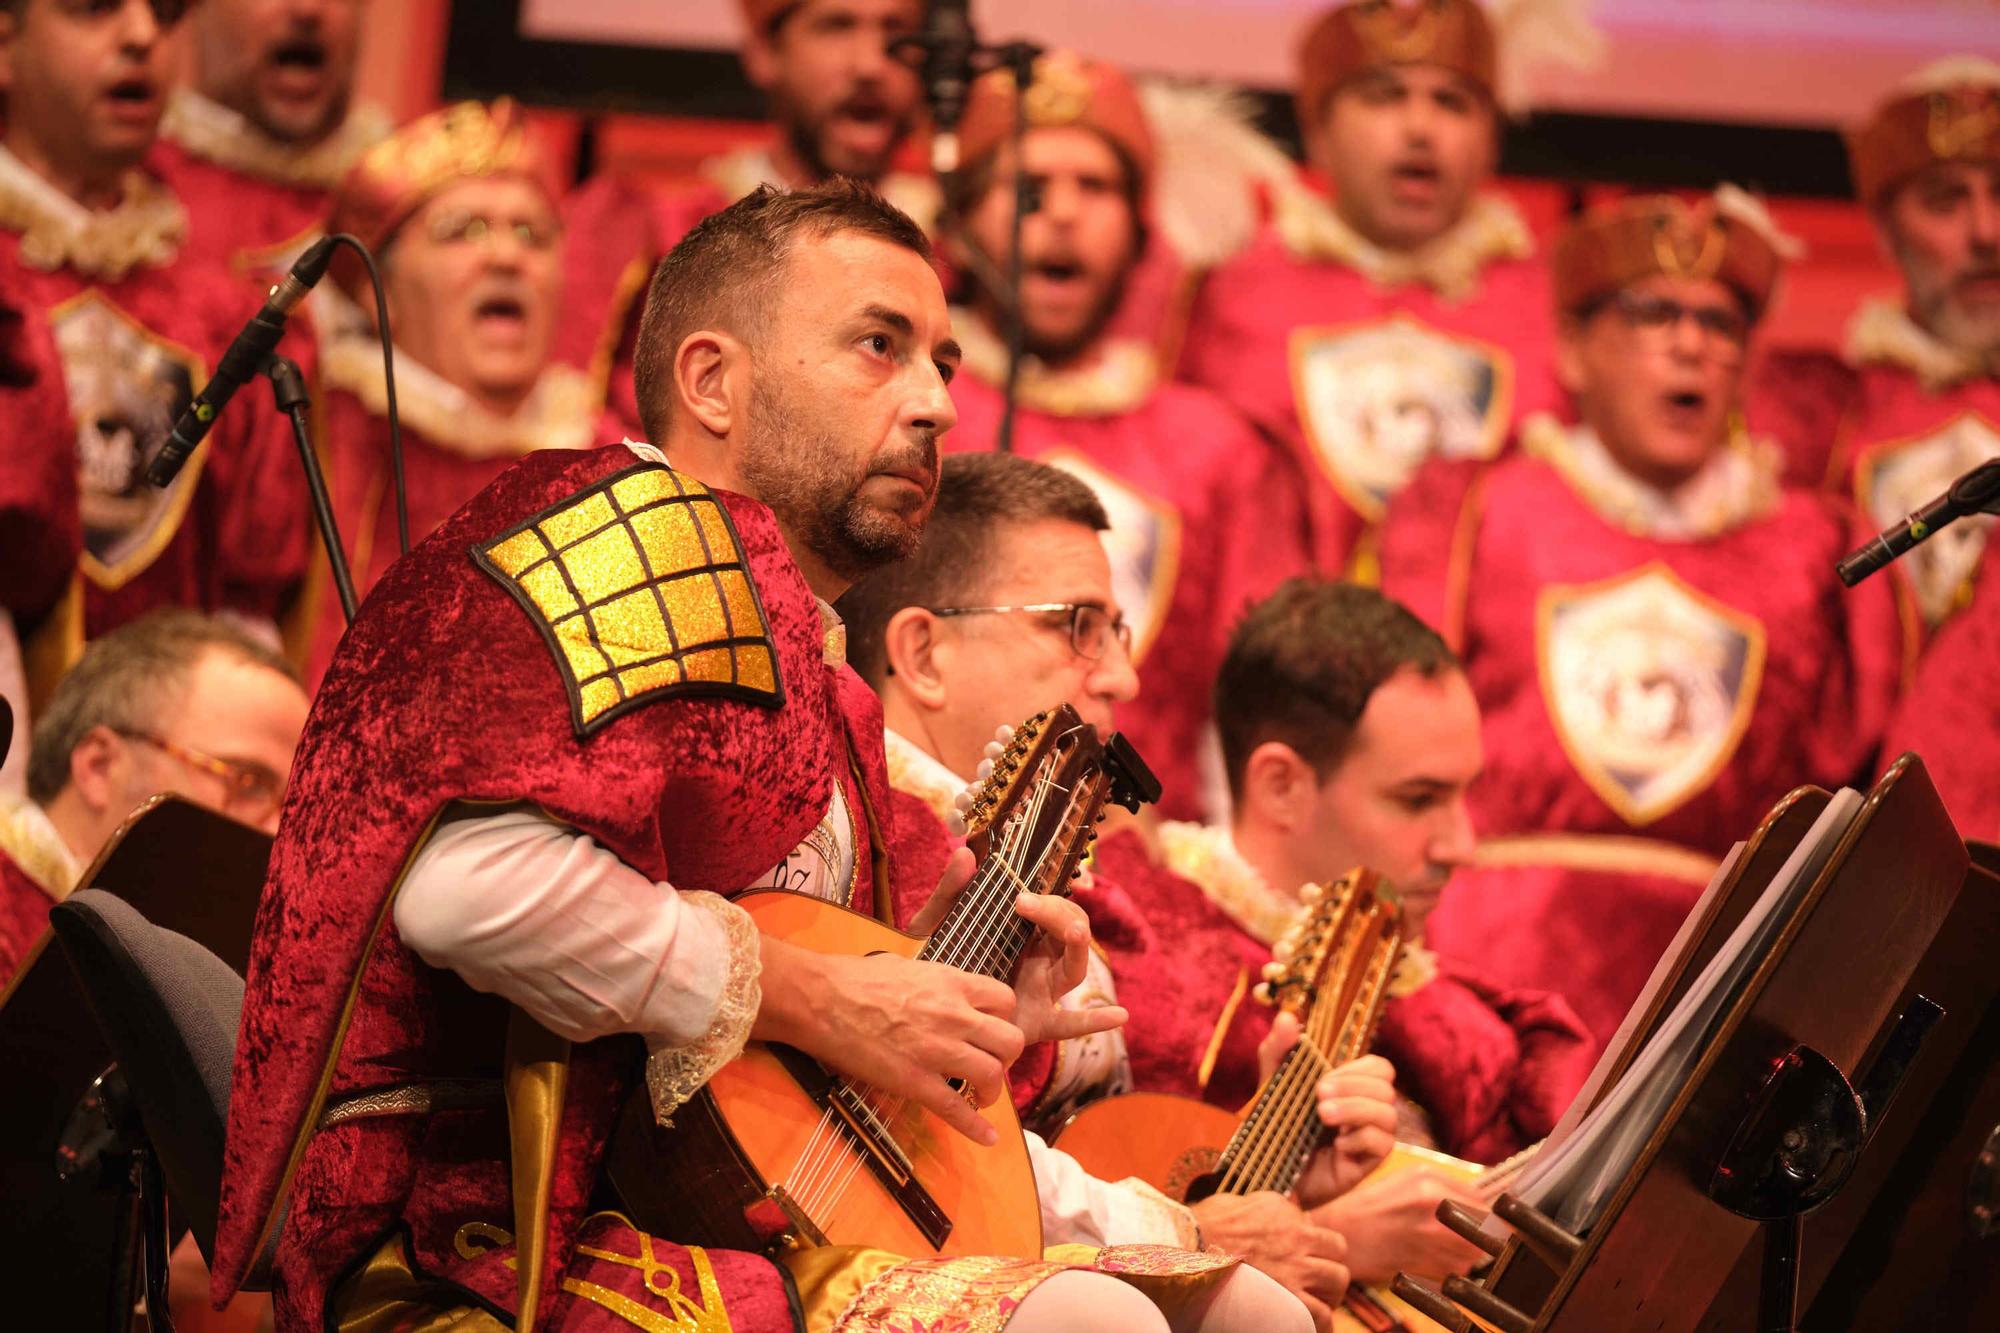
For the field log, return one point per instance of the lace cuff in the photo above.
(676, 1073)
(1175, 1219)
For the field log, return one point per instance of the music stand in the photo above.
(187, 870)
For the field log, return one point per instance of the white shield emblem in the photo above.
(1377, 400)
(1144, 546)
(126, 386)
(1650, 684)
(1894, 479)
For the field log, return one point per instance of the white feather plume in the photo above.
(1212, 159)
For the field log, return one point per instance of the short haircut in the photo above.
(129, 680)
(1302, 665)
(724, 273)
(978, 495)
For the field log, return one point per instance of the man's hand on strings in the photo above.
(1357, 1101)
(1392, 1225)
(1055, 964)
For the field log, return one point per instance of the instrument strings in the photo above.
(980, 934)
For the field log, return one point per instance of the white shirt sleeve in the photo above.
(529, 909)
(1080, 1209)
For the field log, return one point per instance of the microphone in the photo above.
(948, 45)
(1976, 492)
(244, 359)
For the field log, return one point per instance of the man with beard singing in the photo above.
(601, 699)
(840, 105)
(1206, 514)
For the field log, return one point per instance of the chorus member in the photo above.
(1206, 514)
(459, 208)
(1649, 621)
(601, 699)
(1401, 314)
(93, 242)
(266, 126)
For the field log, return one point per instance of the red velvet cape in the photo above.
(253, 226)
(445, 688)
(41, 531)
(1951, 715)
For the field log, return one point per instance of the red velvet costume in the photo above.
(703, 785)
(41, 528)
(24, 916)
(1633, 682)
(1951, 716)
(1205, 519)
(137, 327)
(1368, 376)
(253, 203)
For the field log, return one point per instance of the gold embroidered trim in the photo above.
(451, 1094)
(147, 228)
(1613, 853)
(1121, 375)
(1738, 486)
(1882, 333)
(973, 1294)
(560, 413)
(674, 1074)
(1492, 229)
(214, 133)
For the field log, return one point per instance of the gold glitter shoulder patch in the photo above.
(640, 588)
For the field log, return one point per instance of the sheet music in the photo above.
(1574, 1180)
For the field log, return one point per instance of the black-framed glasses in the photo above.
(1726, 327)
(1092, 629)
(251, 792)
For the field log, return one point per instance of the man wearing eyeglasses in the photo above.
(173, 702)
(92, 242)
(1648, 618)
(459, 208)
(1205, 513)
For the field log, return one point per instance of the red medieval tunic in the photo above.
(1672, 665)
(1951, 716)
(1489, 1069)
(136, 327)
(35, 871)
(1369, 363)
(1205, 516)
(451, 449)
(1919, 417)
(253, 202)
(699, 752)
(615, 231)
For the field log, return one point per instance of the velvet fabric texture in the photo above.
(24, 916)
(354, 444)
(1493, 1067)
(1951, 716)
(1558, 925)
(41, 528)
(1258, 319)
(1798, 399)
(254, 227)
(1184, 970)
(1207, 518)
(444, 689)
(239, 539)
(1487, 557)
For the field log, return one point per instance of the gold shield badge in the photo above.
(1650, 684)
(126, 387)
(1144, 545)
(1378, 399)
(1894, 478)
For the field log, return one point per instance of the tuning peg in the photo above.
(994, 749)
(963, 801)
(954, 824)
(984, 771)
(1313, 893)
(1273, 971)
(1261, 992)
(1006, 733)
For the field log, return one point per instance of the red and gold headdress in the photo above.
(1948, 112)
(1727, 237)
(399, 175)
(1068, 89)
(1367, 34)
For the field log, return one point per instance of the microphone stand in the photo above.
(1976, 491)
(288, 391)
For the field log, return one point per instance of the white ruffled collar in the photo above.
(1882, 333)
(1492, 229)
(915, 773)
(560, 413)
(213, 132)
(1738, 485)
(146, 227)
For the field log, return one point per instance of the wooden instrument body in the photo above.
(708, 1180)
(1167, 1141)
